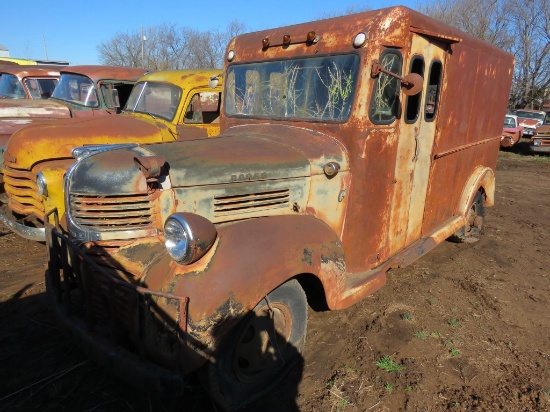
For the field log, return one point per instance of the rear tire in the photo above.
(471, 232)
(260, 350)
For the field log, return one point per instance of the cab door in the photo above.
(201, 115)
(417, 130)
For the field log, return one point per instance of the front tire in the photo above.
(260, 350)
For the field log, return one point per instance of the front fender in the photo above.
(249, 259)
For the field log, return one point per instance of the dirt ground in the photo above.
(466, 327)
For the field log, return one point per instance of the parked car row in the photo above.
(534, 124)
(188, 233)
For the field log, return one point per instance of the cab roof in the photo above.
(388, 27)
(183, 78)
(31, 70)
(97, 73)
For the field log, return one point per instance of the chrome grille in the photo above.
(111, 213)
(251, 202)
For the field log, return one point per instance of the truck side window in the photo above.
(203, 109)
(384, 104)
(432, 93)
(412, 107)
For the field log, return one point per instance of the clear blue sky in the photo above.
(73, 29)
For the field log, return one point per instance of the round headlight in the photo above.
(188, 237)
(41, 184)
(178, 237)
(230, 55)
(536, 142)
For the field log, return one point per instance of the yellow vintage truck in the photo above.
(163, 106)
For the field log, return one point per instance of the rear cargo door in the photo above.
(417, 130)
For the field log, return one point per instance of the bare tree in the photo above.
(169, 47)
(518, 26)
(531, 24)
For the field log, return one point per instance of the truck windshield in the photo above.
(154, 98)
(76, 88)
(10, 87)
(319, 88)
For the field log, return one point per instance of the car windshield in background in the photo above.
(509, 122)
(77, 89)
(10, 87)
(319, 88)
(156, 99)
(41, 88)
(530, 115)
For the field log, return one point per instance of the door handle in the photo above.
(416, 149)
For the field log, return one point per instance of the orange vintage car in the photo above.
(81, 91)
(530, 120)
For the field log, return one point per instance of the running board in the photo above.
(359, 285)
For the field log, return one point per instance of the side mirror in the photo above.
(214, 81)
(411, 84)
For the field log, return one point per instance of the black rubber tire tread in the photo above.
(219, 378)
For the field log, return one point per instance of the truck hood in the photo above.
(25, 108)
(243, 155)
(16, 114)
(529, 122)
(37, 143)
(543, 131)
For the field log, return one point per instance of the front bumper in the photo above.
(539, 149)
(28, 232)
(68, 287)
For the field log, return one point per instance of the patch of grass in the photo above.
(455, 353)
(330, 383)
(349, 368)
(387, 364)
(447, 343)
(406, 316)
(453, 323)
(542, 159)
(436, 335)
(420, 334)
(340, 403)
(389, 387)
(409, 388)
(432, 301)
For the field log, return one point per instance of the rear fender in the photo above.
(482, 177)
